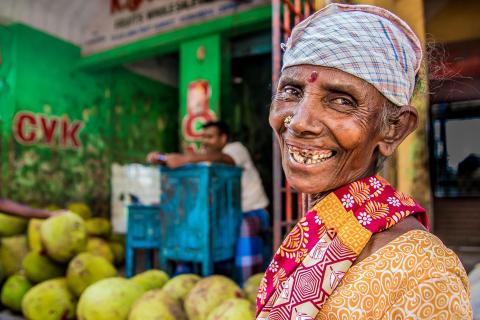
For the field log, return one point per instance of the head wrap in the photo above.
(368, 42)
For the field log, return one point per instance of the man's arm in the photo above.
(212, 157)
(17, 209)
(175, 160)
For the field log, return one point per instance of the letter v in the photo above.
(48, 128)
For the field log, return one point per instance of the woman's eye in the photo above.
(291, 91)
(343, 101)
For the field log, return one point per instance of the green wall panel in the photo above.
(122, 116)
(200, 89)
(7, 76)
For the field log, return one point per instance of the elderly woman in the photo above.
(342, 107)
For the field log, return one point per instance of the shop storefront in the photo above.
(145, 77)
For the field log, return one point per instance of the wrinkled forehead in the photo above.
(325, 76)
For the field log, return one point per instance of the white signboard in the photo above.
(130, 20)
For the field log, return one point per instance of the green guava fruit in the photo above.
(156, 304)
(63, 236)
(208, 294)
(39, 267)
(12, 252)
(100, 247)
(151, 279)
(33, 234)
(98, 227)
(86, 269)
(108, 299)
(233, 309)
(49, 300)
(81, 209)
(179, 287)
(11, 225)
(14, 290)
(251, 286)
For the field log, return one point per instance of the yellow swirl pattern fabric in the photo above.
(413, 277)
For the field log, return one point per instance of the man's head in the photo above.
(215, 135)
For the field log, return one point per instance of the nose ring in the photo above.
(287, 121)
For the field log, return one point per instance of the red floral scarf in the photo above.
(322, 246)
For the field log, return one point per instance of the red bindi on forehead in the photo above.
(313, 77)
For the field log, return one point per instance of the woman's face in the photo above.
(326, 122)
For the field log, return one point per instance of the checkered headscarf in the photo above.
(368, 42)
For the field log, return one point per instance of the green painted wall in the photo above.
(7, 76)
(124, 116)
(200, 68)
(214, 35)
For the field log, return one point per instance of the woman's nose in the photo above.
(306, 119)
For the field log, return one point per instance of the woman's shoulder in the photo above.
(423, 245)
(418, 242)
(412, 258)
(432, 275)
(421, 254)
(410, 272)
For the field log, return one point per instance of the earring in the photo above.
(287, 121)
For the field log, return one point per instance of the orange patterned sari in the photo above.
(320, 249)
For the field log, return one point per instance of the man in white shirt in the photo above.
(215, 140)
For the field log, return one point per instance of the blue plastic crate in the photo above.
(143, 232)
(200, 214)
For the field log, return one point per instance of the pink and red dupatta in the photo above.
(322, 246)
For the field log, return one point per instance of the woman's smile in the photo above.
(311, 156)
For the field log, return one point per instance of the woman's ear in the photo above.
(396, 132)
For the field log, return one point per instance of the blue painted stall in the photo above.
(198, 219)
(143, 232)
(200, 214)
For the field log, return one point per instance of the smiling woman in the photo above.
(340, 108)
(333, 132)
